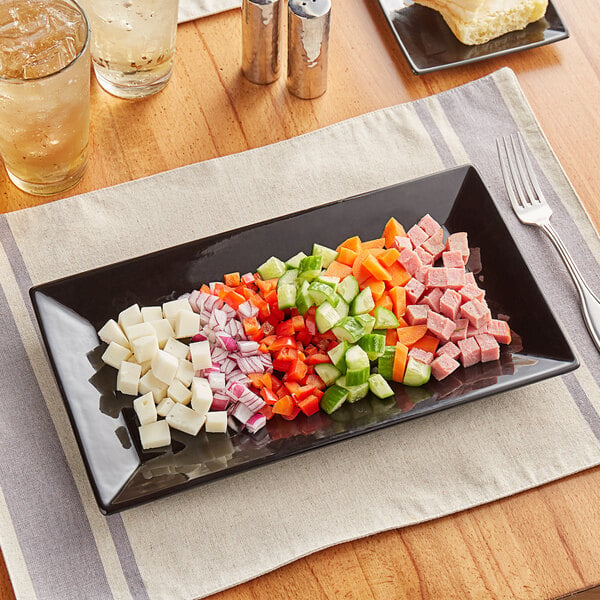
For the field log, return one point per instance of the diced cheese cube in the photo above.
(151, 313)
(111, 332)
(145, 409)
(145, 366)
(185, 372)
(128, 378)
(176, 348)
(200, 354)
(185, 419)
(171, 308)
(155, 435)
(216, 381)
(187, 324)
(149, 383)
(130, 316)
(164, 366)
(145, 347)
(202, 395)
(163, 331)
(178, 392)
(139, 330)
(216, 422)
(115, 354)
(166, 404)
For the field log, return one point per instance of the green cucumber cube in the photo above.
(357, 376)
(367, 321)
(294, 262)
(286, 296)
(326, 317)
(303, 299)
(356, 358)
(273, 268)
(342, 307)
(310, 267)
(327, 372)
(348, 329)
(333, 398)
(373, 344)
(338, 356)
(417, 373)
(329, 280)
(379, 386)
(363, 303)
(355, 392)
(385, 363)
(289, 277)
(348, 288)
(385, 319)
(328, 255)
(321, 292)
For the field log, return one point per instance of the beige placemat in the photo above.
(55, 541)
(194, 9)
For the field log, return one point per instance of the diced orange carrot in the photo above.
(391, 337)
(398, 296)
(346, 256)
(402, 322)
(400, 276)
(389, 257)
(370, 244)
(428, 342)
(400, 359)
(391, 230)
(409, 335)
(232, 279)
(358, 269)
(337, 269)
(385, 301)
(377, 287)
(352, 243)
(377, 270)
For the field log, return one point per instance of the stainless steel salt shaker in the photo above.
(260, 40)
(308, 47)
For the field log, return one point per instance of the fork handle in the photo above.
(590, 305)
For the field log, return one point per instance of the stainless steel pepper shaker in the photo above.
(308, 47)
(260, 40)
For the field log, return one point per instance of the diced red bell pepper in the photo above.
(251, 325)
(317, 359)
(266, 410)
(315, 381)
(266, 286)
(298, 322)
(292, 387)
(285, 406)
(304, 337)
(310, 405)
(282, 342)
(233, 299)
(293, 414)
(256, 379)
(311, 325)
(303, 392)
(297, 371)
(268, 396)
(232, 279)
(285, 328)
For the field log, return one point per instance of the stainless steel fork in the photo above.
(531, 207)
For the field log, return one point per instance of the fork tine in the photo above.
(525, 171)
(510, 175)
(529, 171)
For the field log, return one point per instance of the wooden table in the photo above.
(538, 544)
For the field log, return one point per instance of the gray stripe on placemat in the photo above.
(583, 403)
(444, 152)
(116, 526)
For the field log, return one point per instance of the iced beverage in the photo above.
(44, 93)
(133, 44)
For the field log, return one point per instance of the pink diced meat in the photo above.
(488, 346)
(473, 331)
(417, 235)
(476, 312)
(499, 330)
(440, 326)
(460, 330)
(442, 366)
(432, 299)
(459, 242)
(426, 258)
(414, 290)
(435, 244)
(456, 278)
(402, 242)
(470, 353)
(421, 274)
(471, 292)
(449, 348)
(470, 278)
(453, 260)
(421, 355)
(416, 314)
(429, 225)
(450, 304)
(437, 277)
(410, 261)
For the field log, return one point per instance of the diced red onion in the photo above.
(248, 348)
(247, 278)
(242, 413)
(192, 299)
(256, 422)
(219, 403)
(199, 337)
(233, 424)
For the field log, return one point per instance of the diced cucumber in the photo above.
(363, 303)
(385, 363)
(273, 268)
(303, 299)
(329, 280)
(356, 358)
(373, 344)
(321, 292)
(348, 288)
(417, 373)
(355, 392)
(348, 329)
(326, 253)
(327, 372)
(338, 356)
(385, 319)
(367, 321)
(288, 278)
(357, 376)
(294, 262)
(379, 386)
(326, 317)
(382, 332)
(333, 398)
(286, 296)
(342, 307)
(310, 267)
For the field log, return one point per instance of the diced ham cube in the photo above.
(401, 242)
(421, 274)
(488, 346)
(499, 330)
(421, 355)
(417, 235)
(459, 242)
(470, 279)
(437, 277)
(473, 331)
(442, 366)
(453, 260)
(450, 304)
(414, 290)
(449, 348)
(460, 330)
(440, 326)
(435, 244)
(426, 258)
(432, 299)
(416, 314)
(476, 312)
(410, 261)
(470, 353)
(456, 278)
(429, 225)
(471, 292)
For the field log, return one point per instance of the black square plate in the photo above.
(429, 44)
(71, 310)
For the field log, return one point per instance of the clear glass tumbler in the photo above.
(133, 44)
(44, 93)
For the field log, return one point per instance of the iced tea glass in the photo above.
(133, 44)
(44, 93)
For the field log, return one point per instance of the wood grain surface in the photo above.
(543, 543)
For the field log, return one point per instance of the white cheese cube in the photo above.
(130, 316)
(145, 347)
(111, 332)
(145, 366)
(151, 313)
(128, 378)
(171, 308)
(139, 330)
(178, 392)
(176, 348)
(149, 383)
(163, 331)
(216, 381)
(155, 435)
(164, 366)
(185, 372)
(145, 409)
(115, 354)
(200, 354)
(166, 404)
(202, 395)
(216, 422)
(187, 324)
(184, 419)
